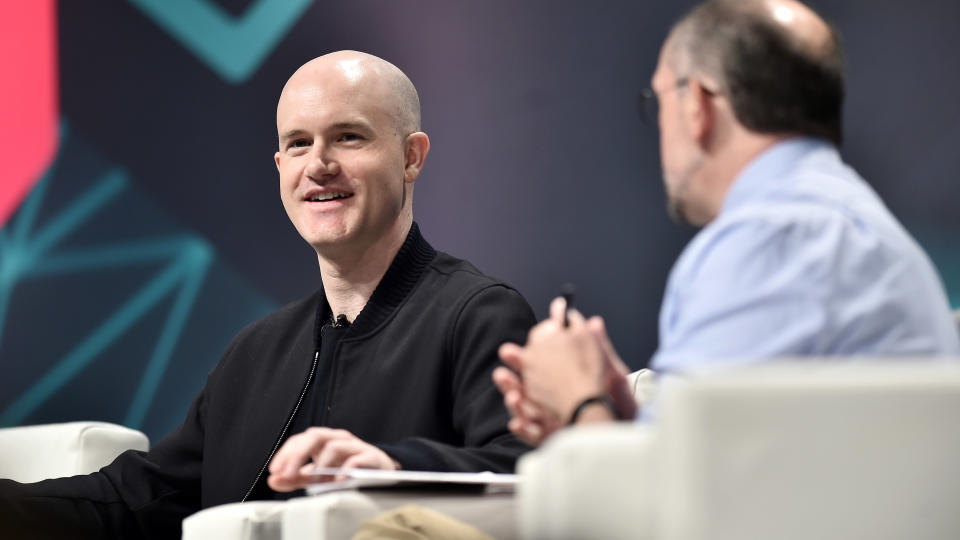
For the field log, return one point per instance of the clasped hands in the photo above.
(559, 367)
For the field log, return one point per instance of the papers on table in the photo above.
(484, 482)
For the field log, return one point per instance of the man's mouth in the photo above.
(329, 196)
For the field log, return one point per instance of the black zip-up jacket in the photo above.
(412, 375)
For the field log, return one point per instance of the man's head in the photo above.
(350, 148)
(734, 76)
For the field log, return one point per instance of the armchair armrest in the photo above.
(33, 453)
(590, 482)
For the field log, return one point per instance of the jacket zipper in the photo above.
(327, 405)
(313, 369)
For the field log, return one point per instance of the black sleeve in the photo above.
(492, 316)
(139, 495)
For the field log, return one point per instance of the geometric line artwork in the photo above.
(30, 252)
(132, 279)
(234, 47)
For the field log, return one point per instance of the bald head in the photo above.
(360, 73)
(777, 61)
(808, 32)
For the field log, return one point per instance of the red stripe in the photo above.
(29, 98)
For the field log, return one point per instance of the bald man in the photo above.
(386, 366)
(797, 257)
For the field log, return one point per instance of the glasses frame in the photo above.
(647, 102)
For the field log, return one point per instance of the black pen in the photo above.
(567, 293)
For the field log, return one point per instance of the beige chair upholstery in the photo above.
(32, 453)
(792, 450)
(644, 385)
(589, 482)
(255, 520)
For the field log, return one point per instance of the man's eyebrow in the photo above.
(292, 133)
(340, 126)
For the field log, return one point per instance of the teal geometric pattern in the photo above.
(31, 250)
(943, 250)
(233, 47)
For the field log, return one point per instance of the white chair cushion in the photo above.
(32, 453)
(590, 482)
(644, 385)
(255, 520)
(804, 450)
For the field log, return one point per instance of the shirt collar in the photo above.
(761, 173)
(397, 283)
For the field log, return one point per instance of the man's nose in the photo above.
(322, 164)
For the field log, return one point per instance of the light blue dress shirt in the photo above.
(803, 259)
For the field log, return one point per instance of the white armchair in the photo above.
(33, 453)
(794, 450)
(339, 514)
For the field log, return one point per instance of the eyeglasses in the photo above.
(647, 106)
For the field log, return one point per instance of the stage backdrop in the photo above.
(141, 223)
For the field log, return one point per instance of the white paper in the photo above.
(359, 478)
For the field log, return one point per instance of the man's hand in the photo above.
(615, 372)
(560, 367)
(528, 421)
(291, 467)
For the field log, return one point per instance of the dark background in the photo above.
(540, 171)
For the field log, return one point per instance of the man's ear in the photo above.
(701, 112)
(417, 146)
(276, 159)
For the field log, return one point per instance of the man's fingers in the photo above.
(505, 379)
(511, 354)
(285, 467)
(336, 452)
(511, 400)
(557, 307)
(575, 318)
(518, 405)
(281, 483)
(599, 329)
(509, 385)
(366, 460)
(310, 443)
(530, 410)
(617, 385)
(294, 452)
(331, 448)
(533, 433)
(521, 429)
(290, 482)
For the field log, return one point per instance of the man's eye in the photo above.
(348, 137)
(300, 143)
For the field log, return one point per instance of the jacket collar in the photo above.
(397, 283)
